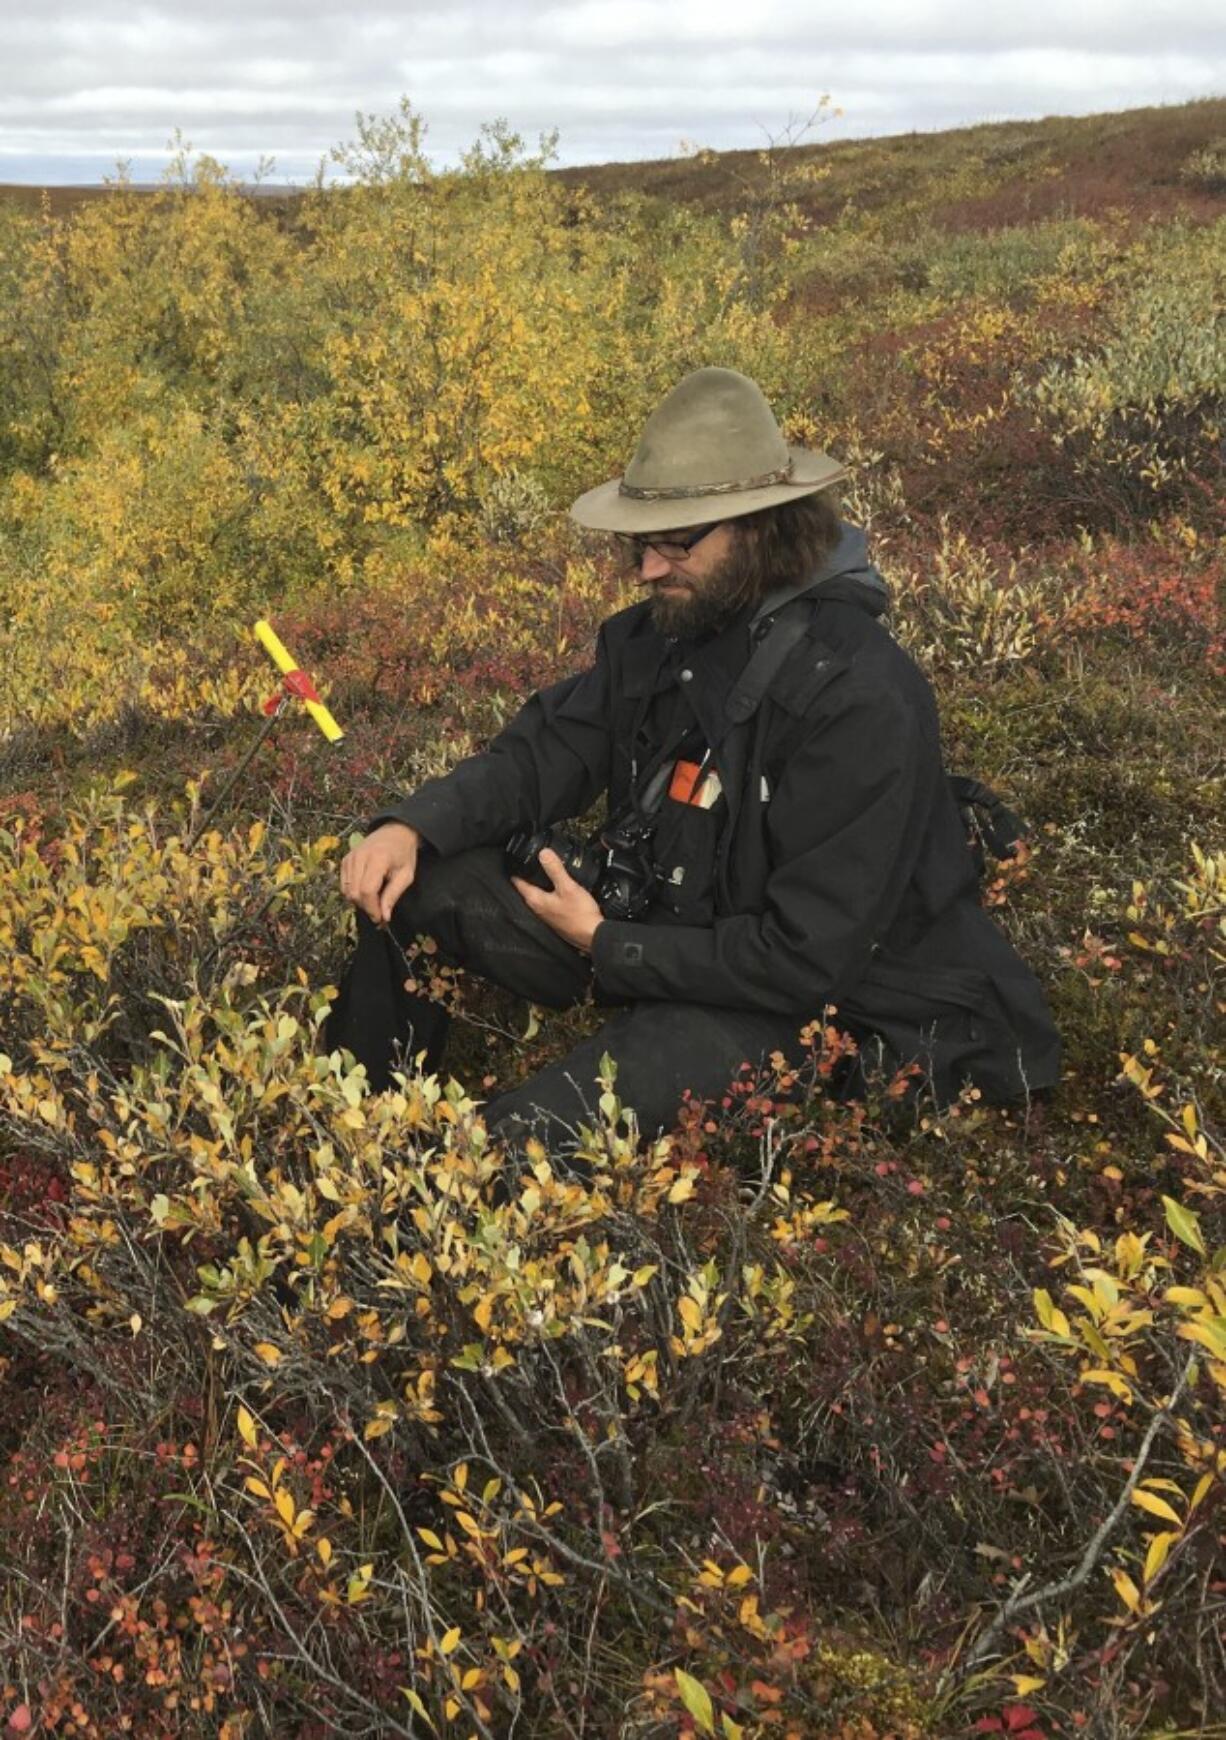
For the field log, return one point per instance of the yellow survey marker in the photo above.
(297, 682)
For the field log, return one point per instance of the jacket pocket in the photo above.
(945, 1019)
(921, 991)
(686, 848)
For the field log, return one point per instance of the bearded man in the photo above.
(782, 837)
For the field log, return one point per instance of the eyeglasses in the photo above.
(673, 546)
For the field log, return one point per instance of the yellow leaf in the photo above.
(1156, 1506)
(431, 1539)
(323, 1547)
(1184, 1224)
(697, 1700)
(1111, 1380)
(1202, 1487)
(1159, 1547)
(418, 1708)
(268, 1353)
(449, 1640)
(690, 1313)
(738, 1575)
(1207, 1334)
(1023, 1684)
(246, 1428)
(1127, 1590)
(682, 1190)
(284, 1502)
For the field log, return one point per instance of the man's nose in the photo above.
(654, 566)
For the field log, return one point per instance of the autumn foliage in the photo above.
(841, 1422)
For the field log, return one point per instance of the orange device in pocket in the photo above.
(695, 783)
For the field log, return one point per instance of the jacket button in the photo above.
(687, 676)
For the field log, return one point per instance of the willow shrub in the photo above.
(1138, 413)
(212, 406)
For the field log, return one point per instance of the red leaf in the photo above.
(1019, 1716)
(21, 1720)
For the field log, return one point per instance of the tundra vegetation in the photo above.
(834, 1422)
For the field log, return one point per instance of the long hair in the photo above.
(781, 546)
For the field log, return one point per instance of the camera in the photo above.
(615, 865)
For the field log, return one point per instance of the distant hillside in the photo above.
(1030, 170)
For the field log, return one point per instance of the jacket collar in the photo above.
(844, 573)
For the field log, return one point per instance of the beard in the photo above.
(709, 604)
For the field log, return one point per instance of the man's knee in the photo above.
(470, 908)
(445, 893)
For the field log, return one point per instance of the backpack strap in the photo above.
(783, 633)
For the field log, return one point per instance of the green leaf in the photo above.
(1184, 1224)
(697, 1700)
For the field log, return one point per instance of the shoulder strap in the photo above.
(765, 662)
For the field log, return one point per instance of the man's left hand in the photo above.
(567, 907)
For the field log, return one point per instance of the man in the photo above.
(772, 768)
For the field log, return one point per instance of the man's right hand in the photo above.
(376, 873)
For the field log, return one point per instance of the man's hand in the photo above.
(567, 908)
(376, 873)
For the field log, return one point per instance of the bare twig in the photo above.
(1018, 1602)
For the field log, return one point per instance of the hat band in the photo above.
(693, 492)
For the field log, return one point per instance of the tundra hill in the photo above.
(965, 178)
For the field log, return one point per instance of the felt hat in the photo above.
(709, 451)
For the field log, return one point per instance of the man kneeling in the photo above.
(782, 835)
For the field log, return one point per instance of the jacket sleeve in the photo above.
(550, 762)
(844, 829)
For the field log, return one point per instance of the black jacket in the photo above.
(836, 869)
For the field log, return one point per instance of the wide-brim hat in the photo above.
(711, 450)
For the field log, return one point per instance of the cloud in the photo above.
(87, 83)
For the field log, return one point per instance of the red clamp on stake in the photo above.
(298, 683)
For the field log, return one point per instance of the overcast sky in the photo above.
(88, 82)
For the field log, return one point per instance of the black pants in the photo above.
(480, 923)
